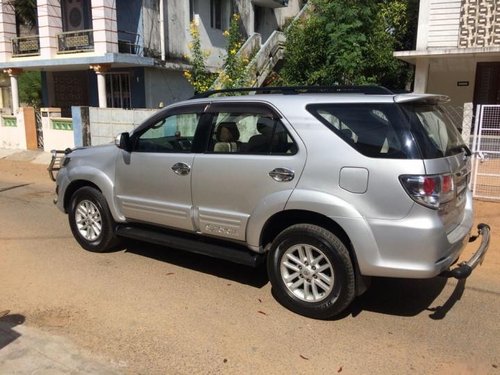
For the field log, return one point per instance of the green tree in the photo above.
(349, 42)
(198, 76)
(235, 71)
(30, 89)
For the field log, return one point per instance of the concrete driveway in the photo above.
(153, 310)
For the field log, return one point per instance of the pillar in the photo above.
(105, 27)
(421, 76)
(100, 70)
(13, 73)
(49, 25)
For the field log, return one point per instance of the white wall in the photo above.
(107, 123)
(438, 24)
(56, 139)
(13, 137)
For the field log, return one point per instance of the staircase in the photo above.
(267, 55)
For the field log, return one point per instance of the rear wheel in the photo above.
(90, 220)
(311, 271)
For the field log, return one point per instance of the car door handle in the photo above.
(181, 169)
(282, 174)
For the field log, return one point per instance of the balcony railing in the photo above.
(133, 43)
(26, 46)
(76, 41)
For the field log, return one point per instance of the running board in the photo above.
(194, 244)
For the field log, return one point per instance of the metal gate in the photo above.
(486, 153)
(39, 128)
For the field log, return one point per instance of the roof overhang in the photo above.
(441, 53)
(117, 60)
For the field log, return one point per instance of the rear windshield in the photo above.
(434, 131)
(390, 130)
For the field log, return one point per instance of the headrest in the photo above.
(231, 127)
(265, 125)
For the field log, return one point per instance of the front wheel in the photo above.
(311, 271)
(90, 220)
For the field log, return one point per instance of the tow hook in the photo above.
(464, 269)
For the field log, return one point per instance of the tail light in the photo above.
(430, 191)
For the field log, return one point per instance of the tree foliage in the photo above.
(235, 68)
(234, 71)
(198, 76)
(350, 42)
(30, 89)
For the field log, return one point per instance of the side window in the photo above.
(173, 133)
(250, 133)
(375, 130)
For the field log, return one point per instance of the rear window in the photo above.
(396, 131)
(434, 131)
(373, 129)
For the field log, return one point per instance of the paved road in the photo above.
(154, 310)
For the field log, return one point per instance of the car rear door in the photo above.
(444, 153)
(230, 183)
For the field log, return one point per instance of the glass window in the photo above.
(219, 14)
(435, 132)
(375, 130)
(171, 134)
(250, 133)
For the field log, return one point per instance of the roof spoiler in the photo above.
(421, 98)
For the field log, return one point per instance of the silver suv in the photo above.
(329, 186)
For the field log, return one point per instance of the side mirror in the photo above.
(122, 141)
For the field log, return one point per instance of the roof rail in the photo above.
(293, 90)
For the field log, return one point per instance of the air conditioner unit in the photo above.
(73, 15)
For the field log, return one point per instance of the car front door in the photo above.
(153, 181)
(252, 163)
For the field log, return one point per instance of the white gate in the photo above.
(486, 153)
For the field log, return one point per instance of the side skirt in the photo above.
(193, 243)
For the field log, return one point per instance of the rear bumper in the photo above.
(416, 246)
(464, 269)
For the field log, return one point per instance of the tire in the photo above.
(311, 272)
(90, 220)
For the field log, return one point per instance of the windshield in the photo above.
(435, 133)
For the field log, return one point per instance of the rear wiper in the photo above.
(459, 149)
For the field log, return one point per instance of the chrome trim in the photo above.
(464, 269)
(182, 169)
(282, 174)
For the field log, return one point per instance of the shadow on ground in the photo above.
(399, 297)
(407, 297)
(255, 277)
(7, 323)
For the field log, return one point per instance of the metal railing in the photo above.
(76, 41)
(129, 42)
(486, 151)
(26, 46)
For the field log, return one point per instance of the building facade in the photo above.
(458, 50)
(124, 54)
